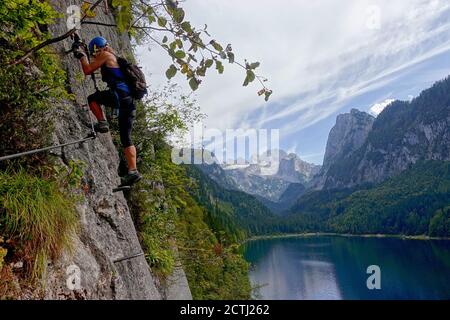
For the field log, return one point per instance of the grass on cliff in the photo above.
(37, 217)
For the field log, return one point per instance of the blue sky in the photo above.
(322, 58)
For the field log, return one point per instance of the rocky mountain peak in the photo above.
(253, 180)
(362, 149)
(349, 134)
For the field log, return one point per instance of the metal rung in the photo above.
(129, 258)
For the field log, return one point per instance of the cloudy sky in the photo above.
(322, 58)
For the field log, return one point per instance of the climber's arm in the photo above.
(89, 68)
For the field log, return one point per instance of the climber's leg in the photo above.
(95, 107)
(95, 101)
(127, 115)
(130, 155)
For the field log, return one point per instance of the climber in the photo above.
(118, 95)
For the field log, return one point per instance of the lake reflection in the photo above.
(331, 268)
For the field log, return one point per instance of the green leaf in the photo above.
(209, 63)
(180, 54)
(267, 94)
(151, 18)
(162, 21)
(201, 71)
(85, 7)
(230, 57)
(149, 10)
(249, 78)
(254, 65)
(186, 26)
(117, 3)
(251, 75)
(194, 83)
(216, 46)
(171, 72)
(123, 17)
(178, 15)
(219, 66)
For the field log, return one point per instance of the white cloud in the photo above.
(293, 148)
(317, 55)
(377, 108)
(315, 158)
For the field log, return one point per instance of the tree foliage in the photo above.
(193, 51)
(173, 226)
(440, 223)
(233, 215)
(412, 203)
(171, 218)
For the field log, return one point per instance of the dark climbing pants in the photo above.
(127, 111)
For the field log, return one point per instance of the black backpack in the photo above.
(134, 78)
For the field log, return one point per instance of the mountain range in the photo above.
(373, 150)
(278, 191)
(388, 174)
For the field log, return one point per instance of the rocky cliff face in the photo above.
(403, 134)
(269, 187)
(102, 257)
(348, 135)
(295, 170)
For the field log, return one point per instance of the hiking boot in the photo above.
(131, 178)
(101, 127)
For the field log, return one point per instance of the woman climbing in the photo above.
(118, 95)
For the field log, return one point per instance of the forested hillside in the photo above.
(237, 213)
(416, 202)
(206, 238)
(404, 133)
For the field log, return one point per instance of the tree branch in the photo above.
(53, 40)
(99, 23)
(115, 25)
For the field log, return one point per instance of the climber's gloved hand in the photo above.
(77, 50)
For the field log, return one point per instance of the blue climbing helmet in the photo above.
(97, 43)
